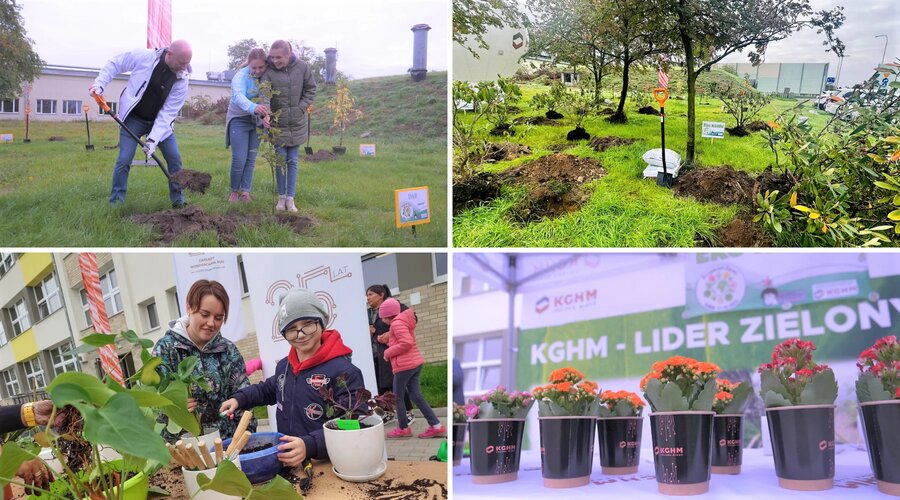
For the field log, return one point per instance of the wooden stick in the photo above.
(207, 458)
(219, 451)
(195, 457)
(185, 459)
(176, 457)
(245, 437)
(242, 426)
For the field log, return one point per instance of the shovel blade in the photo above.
(89, 147)
(308, 150)
(664, 180)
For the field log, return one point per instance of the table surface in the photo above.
(853, 479)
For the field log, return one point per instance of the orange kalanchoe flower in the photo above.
(565, 374)
(724, 396)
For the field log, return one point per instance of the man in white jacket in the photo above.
(155, 92)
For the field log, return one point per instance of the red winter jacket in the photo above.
(402, 351)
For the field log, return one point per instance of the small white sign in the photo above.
(713, 130)
(411, 206)
(6, 138)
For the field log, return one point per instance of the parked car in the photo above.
(822, 98)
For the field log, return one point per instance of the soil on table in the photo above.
(399, 490)
(193, 181)
(554, 183)
(169, 225)
(536, 120)
(480, 187)
(723, 185)
(319, 156)
(601, 144)
(505, 151)
(577, 134)
(649, 110)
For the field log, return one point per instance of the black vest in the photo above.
(161, 81)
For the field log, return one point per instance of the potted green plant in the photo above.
(343, 104)
(680, 391)
(551, 100)
(567, 408)
(878, 393)
(619, 429)
(496, 427)
(355, 439)
(459, 432)
(578, 105)
(728, 427)
(799, 396)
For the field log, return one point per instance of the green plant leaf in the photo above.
(228, 480)
(624, 408)
(99, 339)
(870, 388)
(186, 367)
(821, 389)
(97, 393)
(885, 185)
(740, 398)
(704, 400)
(177, 393)
(134, 339)
(149, 374)
(773, 399)
(12, 457)
(672, 399)
(121, 425)
(149, 398)
(770, 382)
(277, 489)
(894, 215)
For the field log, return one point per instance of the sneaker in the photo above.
(387, 416)
(280, 204)
(410, 418)
(245, 197)
(233, 197)
(400, 433)
(179, 204)
(434, 432)
(289, 204)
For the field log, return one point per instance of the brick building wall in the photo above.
(431, 330)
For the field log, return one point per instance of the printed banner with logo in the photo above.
(221, 267)
(337, 279)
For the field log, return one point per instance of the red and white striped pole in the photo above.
(90, 276)
(159, 23)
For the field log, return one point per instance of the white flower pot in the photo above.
(193, 488)
(208, 439)
(358, 455)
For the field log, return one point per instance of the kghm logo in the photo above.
(629, 444)
(668, 452)
(542, 305)
(571, 299)
(730, 442)
(825, 444)
(508, 448)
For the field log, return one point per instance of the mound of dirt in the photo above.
(505, 151)
(606, 111)
(553, 115)
(501, 130)
(536, 120)
(648, 110)
(56, 138)
(192, 220)
(554, 184)
(742, 232)
(320, 155)
(601, 144)
(755, 126)
(770, 181)
(722, 184)
(196, 182)
(559, 148)
(479, 188)
(577, 134)
(737, 131)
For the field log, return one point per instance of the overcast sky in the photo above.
(865, 19)
(373, 38)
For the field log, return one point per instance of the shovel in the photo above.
(308, 149)
(88, 146)
(663, 178)
(102, 102)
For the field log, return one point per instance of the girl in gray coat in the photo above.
(294, 88)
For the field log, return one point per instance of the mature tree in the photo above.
(19, 64)
(573, 31)
(709, 30)
(472, 19)
(237, 52)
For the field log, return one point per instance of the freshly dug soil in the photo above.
(501, 130)
(649, 110)
(737, 131)
(742, 232)
(558, 148)
(505, 151)
(606, 111)
(722, 184)
(553, 115)
(56, 138)
(320, 155)
(554, 184)
(191, 220)
(755, 126)
(193, 181)
(770, 181)
(577, 134)
(601, 144)
(480, 187)
(536, 120)
(256, 448)
(170, 479)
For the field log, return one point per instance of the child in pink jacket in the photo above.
(406, 363)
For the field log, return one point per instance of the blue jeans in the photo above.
(289, 155)
(409, 379)
(244, 146)
(127, 147)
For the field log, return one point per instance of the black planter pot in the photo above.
(682, 451)
(803, 446)
(339, 150)
(495, 446)
(620, 444)
(879, 420)
(728, 444)
(459, 439)
(567, 451)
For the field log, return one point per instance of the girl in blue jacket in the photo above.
(241, 123)
(318, 358)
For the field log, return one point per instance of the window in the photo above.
(47, 297)
(112, 106)
(63, 360)
(18, 316)
(71, 107)
(46, 106)
(34, 373)
(6, 262)
(9, 106)
(152, 317)
(112, 299)
(439, 266)
(11, 380)
(3, 339)
(481, 362)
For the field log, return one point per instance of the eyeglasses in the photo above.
(307, 330)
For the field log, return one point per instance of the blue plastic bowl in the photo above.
(263, 465)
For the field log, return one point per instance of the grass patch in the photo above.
(433, 381)
(624, 210)
(54, 194)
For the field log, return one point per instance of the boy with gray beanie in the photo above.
(318, 357)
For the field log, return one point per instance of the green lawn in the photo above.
(54, 194)
(624, 210)
(433, 381)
